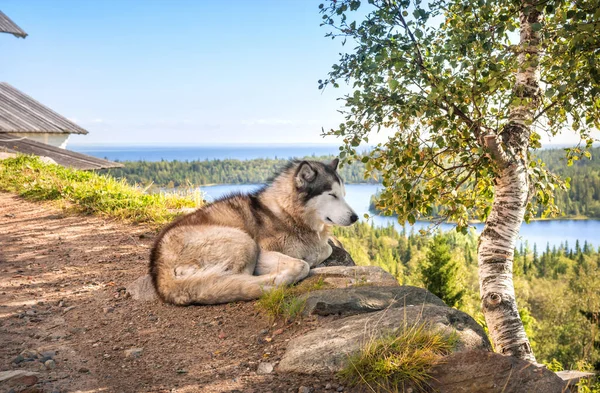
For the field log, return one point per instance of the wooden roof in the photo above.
(68, 158)
(21, 113)
(8, 26)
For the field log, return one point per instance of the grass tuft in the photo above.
(399, 361)
(287, 302)
(88, 192)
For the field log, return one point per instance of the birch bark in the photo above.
(498, 239)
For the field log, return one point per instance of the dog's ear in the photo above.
(305, 174)
(334, 164)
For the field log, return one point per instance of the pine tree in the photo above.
(440, 273)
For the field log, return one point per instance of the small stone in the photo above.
(264, 368)
(340, 389)
(181, 371)
(66, 310)
(30, 354)
(48, 354)
(30, 312)
(18, 359)
(304, 389)
(21, 377)
(277, 332)
(83, 370)
(107, 310)
(50, 364)
(328, 386)
(263, 332)
(133, 352)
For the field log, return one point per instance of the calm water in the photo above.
(182, 153)
(540, 232)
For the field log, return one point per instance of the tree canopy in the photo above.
(441, 76)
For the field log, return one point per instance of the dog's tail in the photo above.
(209, 286)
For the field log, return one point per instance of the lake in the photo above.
(540, 232)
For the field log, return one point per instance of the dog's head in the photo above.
(322, 191)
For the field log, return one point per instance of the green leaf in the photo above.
(536, 26)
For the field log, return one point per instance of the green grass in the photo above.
(88, 192)
(398, 361)
(287, 302)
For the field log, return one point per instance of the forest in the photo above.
(557, 288)
(172, 174)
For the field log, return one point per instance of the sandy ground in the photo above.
(62, 280)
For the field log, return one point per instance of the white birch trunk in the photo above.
(498, 239)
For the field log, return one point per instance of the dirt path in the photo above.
(61, 294)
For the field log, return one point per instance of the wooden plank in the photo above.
(21, 113)
(67, 158)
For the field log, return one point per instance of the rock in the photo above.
(18, 359)
(133, 352)
(30, 354)
(304, 389)
(572, 377)
(21, 377)
(327, 348)
(351, 301)
(50, 364)
(48, 354)
(264, 368)
(67, 309)
(488, 372)
(84, 370)
(339, 256)
(354, 276)
(142, 289)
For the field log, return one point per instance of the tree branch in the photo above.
(497, 152)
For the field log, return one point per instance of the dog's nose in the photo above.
(353, 218)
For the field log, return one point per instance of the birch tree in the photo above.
(466, 88)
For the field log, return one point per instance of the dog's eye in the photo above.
(333, 195)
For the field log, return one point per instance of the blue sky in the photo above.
(178, 72)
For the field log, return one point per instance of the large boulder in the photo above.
(365, 299)
(354, 276)
(488, 372)
(327, 348)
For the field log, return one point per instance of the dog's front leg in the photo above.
(282, 269)
(323, 253)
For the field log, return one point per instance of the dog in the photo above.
(242, 245)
